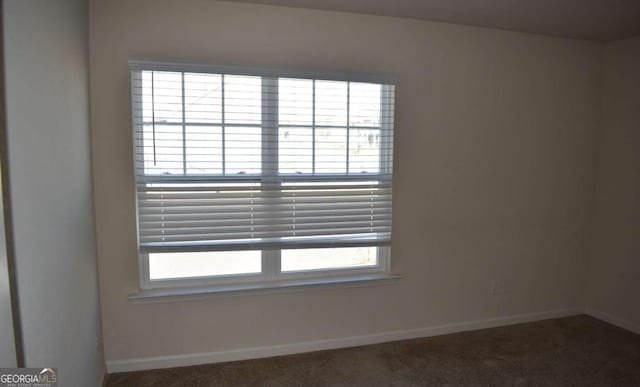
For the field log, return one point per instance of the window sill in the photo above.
(195, 293)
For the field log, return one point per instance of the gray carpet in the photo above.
(572, 351)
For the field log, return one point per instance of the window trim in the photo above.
(271, 276)
(163, 295)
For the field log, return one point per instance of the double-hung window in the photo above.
(249, 174)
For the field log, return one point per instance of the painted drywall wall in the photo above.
(46, 53)
(614, 267)
(7, 340)
(8, 356)
(494, 170)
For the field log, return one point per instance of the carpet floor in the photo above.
(573, 351)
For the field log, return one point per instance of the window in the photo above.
(260, 175)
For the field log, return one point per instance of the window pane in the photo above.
(328, 258)
(331, 103)
(364, 150)
(203, 98)
(204, 264)
(204, 150)
(243, 153)
(164, 155)
(364, 104)
(295, 150)
(331, 153)
(147, 101)
(295, 105)
(167, 96)
(242, 99)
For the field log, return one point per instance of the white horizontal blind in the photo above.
(227, 161)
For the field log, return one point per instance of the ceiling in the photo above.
(602, 20)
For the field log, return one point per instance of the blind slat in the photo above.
(230, 215)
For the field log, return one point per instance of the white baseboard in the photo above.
(614, 320)
(182, 360)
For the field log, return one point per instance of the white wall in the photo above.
(494, 169)
(46, 57)
(614, 280)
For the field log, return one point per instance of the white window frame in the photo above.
(271, 271)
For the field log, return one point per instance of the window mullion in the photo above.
(270, 130)
(184, 130)
(270, 264)
(313, 127)
(270, 180)
(348, 124)
(222, 128)
(153, 118)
